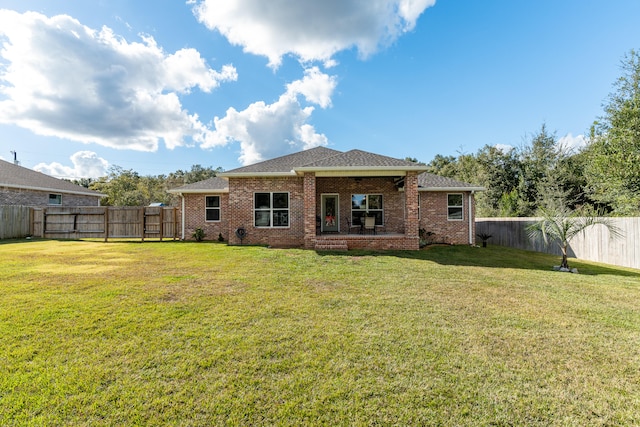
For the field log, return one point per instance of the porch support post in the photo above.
(412, 222)
(309, 210)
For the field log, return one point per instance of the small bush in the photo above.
(199, 234)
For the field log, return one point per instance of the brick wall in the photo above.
(393, 200)
(13, 197)
(237, 210)
(433, 218)
(194, 206)
(384, 243)
(412, 218)
(241, 191)
(310, 209)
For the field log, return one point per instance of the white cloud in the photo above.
(572, 143)
(86, 164)
(311, 30)
(60, 78)
(315, 86)
(504, 148)
(270, 130)
(266, 130)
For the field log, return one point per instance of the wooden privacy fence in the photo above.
(593, 245)
(15, 222)
(105, 222)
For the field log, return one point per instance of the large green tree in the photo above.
(121, 188)
(541, 182)
(128, 188)
(498, 171)
(613, 167)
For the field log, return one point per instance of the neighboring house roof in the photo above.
(14, 176)
(211, 185)
(430, 182)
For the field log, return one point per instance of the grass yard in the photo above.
(178, 333)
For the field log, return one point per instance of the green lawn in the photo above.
(204, 334)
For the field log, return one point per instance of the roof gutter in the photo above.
(256, 174)
(199, 191)
(53, 190)
(397, 169)
(472, 189)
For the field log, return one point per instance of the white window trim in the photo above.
(271, 209)
(219, 208)
(461, 207)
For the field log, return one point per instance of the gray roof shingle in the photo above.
(287, 163)
(16, 176)
(359, 158)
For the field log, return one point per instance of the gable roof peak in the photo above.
(284, 165)
(363, 159)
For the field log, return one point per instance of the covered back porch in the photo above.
(377, 211)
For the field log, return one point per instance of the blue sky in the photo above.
(157, 86)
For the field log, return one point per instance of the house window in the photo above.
(366, 205)
(454, 207)
(271, 209)
(212, 208)
(55, 199)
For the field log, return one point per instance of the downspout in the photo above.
(471, 217)
(182, 217)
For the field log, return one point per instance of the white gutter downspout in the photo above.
(182, 216)
(471, 217)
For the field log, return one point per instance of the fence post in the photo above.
(143, 221)
(106, 223)
(175, 223)
(44, 223)
(32, 226)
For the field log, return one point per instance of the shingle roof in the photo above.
(215, 184)
(15, 176)
(359, 158)
(429, 181)
(286, 164)
(322, 158)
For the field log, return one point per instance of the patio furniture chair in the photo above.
(351, 225)
(370, 223)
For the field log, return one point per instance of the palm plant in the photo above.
(560, 225)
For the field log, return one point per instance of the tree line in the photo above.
(125, 187)
(603, 177)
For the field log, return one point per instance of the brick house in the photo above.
(26, 187)
(321, 198)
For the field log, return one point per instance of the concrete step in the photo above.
(331, 245)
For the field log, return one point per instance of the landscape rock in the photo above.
(565, 270)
